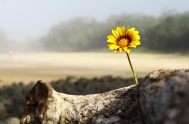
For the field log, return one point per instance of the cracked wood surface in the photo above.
(45, 105)
(162, 97)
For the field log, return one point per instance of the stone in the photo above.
(3, 112)
(12, 120)
(2, 122)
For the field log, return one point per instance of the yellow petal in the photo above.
(127, 30)
(120, 49)
(135, 33)
(128, 50)
(135, 37)
(113, 46)
(116, 50)
(119, 31)
(123, 31)
(112, 41)
(115, 33)
(123, 28)
(125, 48)
(136, 42)
(116, 46)
(111, 36)
(109, 44)
(132, 45)
(130, 32)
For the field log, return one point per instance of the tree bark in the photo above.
(45, 105)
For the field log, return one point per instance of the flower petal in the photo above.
(123, 31)
(115, 33)
(132, 45)
(113, 46)
(135, 37)
(117, 46)
(130, 32)
(128, 50)
(111, 36)
(116, 50)
(136, 42)
(135, 33)
(121, 49)
(123, 28)
(112, 41)
(125, 48)
(109, 44)
(127, 30)
(119, 31)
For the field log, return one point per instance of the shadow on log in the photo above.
(161, 97)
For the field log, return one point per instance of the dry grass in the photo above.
(53, 66)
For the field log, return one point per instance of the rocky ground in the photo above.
(12, 100)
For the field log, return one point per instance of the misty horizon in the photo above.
(20, 37)
(48, 26)
(22, 20)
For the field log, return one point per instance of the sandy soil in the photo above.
(53, 66)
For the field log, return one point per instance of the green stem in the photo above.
(132, 68)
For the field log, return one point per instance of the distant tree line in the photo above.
(172, 34)
(166, 33)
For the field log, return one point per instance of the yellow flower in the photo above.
(121, 39)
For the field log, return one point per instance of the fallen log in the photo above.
(162, 97)
(45, 105)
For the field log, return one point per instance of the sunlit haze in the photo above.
(22, 19)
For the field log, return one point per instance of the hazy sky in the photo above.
(28, 18)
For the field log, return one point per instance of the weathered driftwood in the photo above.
(162, 97)
(46, 105)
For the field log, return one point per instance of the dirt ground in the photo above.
(52, 66)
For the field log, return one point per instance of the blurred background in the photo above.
(65, 41)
